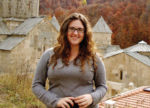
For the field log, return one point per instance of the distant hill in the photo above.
(128, 19)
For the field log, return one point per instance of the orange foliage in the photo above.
(128, 19)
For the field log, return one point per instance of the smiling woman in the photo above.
(71, 68)
(75, 33)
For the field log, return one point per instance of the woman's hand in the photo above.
(84, 100)
(64, 102)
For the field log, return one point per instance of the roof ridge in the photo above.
(133, 91)
(101, 26)
(139, 47)
(55, 23)
(26, 26)
(144, 59)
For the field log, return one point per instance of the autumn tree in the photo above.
(129, 20)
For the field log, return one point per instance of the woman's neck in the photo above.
(74, 52)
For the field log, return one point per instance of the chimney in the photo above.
(110, 104)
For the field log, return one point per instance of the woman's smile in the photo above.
(75, 33)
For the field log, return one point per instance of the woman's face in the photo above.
(75, 32)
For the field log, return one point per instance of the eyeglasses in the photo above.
(73, 29)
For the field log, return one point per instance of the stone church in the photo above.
(24, 35)
(128, 68)
(125, 68)
(102, 35)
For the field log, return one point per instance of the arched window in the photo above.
(121, 74)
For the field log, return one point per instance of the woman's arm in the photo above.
(100, 82)
(38, 85)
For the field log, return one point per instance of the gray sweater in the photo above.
(68, 81)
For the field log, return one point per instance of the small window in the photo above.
(121, 75)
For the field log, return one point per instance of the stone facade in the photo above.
(19, 8)
(24, 36)
(17, 59)
(123, 69)
(137, 72)
(102, 41)
(102, 35)
(25, 54)
(2, 37)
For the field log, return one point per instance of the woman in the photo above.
(72, 68)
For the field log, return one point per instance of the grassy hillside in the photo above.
(15, 92)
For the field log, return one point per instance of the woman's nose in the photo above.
(75, 32)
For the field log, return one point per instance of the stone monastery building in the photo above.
(128, 67)
(24, 35)
(102, 35)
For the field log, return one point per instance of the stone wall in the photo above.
(19, 8)
(47, 35)
(18, 59)
(113, 66)
(137, 72)
(102, 41)
(124, 69)
(2, 37)
(4, 61)
(24, 57)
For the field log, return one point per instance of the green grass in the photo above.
(15, 92)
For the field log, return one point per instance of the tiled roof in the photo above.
(141, 58)
(132, 51)
(10, 43)
(136, 98)
(3, 28)
(101, 26)
(26, 26)
(142, 46)
(22, 29)
(55, 23)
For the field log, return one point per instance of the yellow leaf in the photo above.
(84, 2)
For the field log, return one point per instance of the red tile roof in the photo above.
(137, 98)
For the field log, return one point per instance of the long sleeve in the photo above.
(100, 82)
(38, 85)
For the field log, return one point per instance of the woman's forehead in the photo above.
(76, 23)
